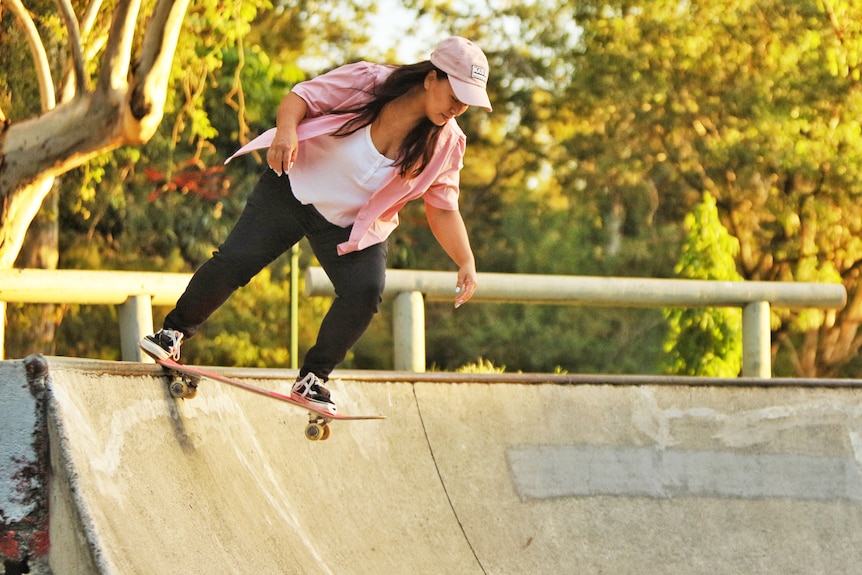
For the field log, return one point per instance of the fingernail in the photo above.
(458, 289)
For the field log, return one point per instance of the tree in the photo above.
(755, 103)
(112, 77)
(621, 115)
(705, 342)
(124, 106)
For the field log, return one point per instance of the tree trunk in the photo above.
(36, 324)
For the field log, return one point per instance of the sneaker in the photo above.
(311, 389)
(164, 344)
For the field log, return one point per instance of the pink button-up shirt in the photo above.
(349, 87)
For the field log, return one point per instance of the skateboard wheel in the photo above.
(184, 387)
(178, 388)
(326, 432)
(314, 431)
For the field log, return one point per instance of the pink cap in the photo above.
(467, 68)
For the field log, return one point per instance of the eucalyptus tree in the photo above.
(107, 73)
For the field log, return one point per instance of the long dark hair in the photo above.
(418, 147)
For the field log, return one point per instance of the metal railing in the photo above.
(136, 292)
(412, 288)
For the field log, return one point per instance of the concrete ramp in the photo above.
(493, 474)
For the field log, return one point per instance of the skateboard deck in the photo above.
(185, 381)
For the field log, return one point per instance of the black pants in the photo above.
(271, 223)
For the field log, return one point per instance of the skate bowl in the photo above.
(469, 474)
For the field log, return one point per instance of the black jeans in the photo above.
(271, 223)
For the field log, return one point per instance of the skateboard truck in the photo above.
(183, 385)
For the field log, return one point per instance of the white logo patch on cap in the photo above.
(479, 73)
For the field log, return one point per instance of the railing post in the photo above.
(756, 340)
(408, 330)
(136, 321)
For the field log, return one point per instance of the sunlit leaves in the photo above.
(705, 341)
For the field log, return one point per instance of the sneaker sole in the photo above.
(323, 406)
(153, 349)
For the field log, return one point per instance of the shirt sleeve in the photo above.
(344, 88)
(444, 191)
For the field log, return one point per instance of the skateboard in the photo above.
(184, 381)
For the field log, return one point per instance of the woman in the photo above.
(350, 148)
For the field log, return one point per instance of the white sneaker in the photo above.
(164, 344)
(311, 389)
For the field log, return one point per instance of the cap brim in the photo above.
(470, 94)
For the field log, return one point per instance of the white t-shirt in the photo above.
(338, 175)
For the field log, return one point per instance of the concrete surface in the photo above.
(24, 470)
(486, 476)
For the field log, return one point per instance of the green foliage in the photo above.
(705, 341)
(623, 117)
(481, 366)
(709, 251)
(533, 338)
(743, 101)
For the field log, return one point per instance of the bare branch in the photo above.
(115, 64)
(152, 71)
(71, 22)
(90, 17)
(37, 49)
(160, 38)
(89, 47)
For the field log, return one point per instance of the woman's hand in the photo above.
(285, 145)
(282, 152)
(466, 285)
